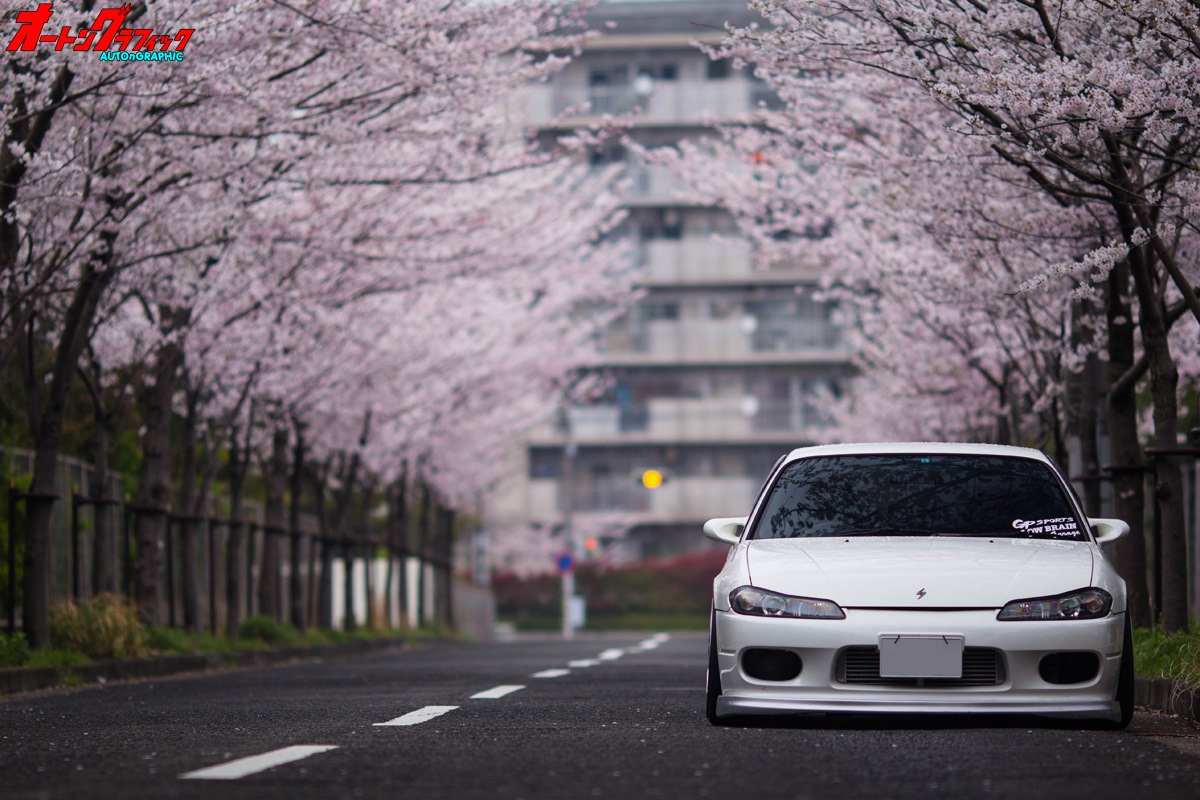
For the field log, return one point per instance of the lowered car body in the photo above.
(918, 579)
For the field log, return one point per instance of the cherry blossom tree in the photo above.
(1012, 196)
(233, 221)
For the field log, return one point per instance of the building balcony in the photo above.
(667, 103)
(738, 340)
(709, 262)
(689, 420)
(680, 499)
(654, 185)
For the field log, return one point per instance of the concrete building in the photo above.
(721, 366)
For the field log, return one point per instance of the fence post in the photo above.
(169, 533)
(251, 556)
(296, 605)
(76, 570)
(212, 575)
(1156, 453)
(13, 496)
(127, 549)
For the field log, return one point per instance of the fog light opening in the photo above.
(1061, 668)
(766, 664)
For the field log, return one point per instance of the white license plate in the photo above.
(912, 656)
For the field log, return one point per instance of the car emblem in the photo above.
(921, 594)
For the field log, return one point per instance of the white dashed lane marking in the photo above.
(496, 692)
(551, 673)
(583, 663)
(241, 767)
(417, 717)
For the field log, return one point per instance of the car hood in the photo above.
(919, 572)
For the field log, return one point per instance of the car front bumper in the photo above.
(820, 686)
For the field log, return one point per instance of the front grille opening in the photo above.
(1060, 668)
(982, 666)
(768, 664)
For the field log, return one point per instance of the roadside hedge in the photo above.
(660, 593)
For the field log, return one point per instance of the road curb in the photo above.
(16, 680)
(1165, 695)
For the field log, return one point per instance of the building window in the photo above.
(662, 223)
(607, 154)
(791, 325)
(719, 69)
(545, 463)
(608, 90)
(658, 311)
(660, 72)
(792, 404)
(608, 76)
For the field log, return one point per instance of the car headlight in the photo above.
(1090, 603)
(761, 603)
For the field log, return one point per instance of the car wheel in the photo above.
(713, 682)
(1125, 679)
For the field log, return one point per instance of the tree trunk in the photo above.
(447, 558)
(1087, 422)
(324, 534)
(104, 557)
(235, 546)
(1168, 482)
(296, 594)
(342, 524)
(368, 551)
(275, 519)
(192, 554)
(39, 565)
(350, 621)
(424, 533)
(154, 490)
(398, 544)
(1129, 498)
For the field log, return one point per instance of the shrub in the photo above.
(162, 639)
(14, 650)
(105, 627)
(266, 630)
(660, 593)
(1160, 655)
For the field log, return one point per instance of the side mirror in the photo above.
(726, 530)
(1108, 530)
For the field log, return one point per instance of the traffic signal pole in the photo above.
(570, 449)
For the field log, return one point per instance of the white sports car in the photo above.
(919, 578)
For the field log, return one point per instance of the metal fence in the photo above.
(412, 588)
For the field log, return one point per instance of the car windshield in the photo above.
(918, 495)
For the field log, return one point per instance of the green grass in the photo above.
(648, 621)
(81, 640)
(619, 621)
(15, 652)
(1175, 656)
(268, 631)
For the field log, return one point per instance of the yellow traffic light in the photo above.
(652, 479)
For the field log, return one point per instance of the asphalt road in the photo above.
(611, 716)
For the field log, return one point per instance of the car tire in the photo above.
(1125, 688)
(713, 680)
